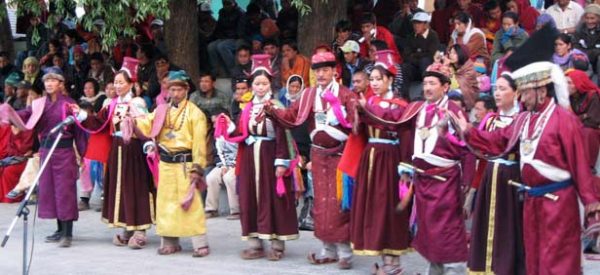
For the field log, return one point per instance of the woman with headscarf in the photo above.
(568, 57)
(473, 38)
(32, 72)
(527, 14)
(585, 103)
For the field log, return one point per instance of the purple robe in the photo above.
(57, 193)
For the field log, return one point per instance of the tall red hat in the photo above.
(130, 66)
(261, 62)
(385, 58)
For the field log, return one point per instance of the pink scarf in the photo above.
(336, 106)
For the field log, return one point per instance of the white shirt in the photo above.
(568, 18)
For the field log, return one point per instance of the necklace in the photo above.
(527, 142)
(171, 124)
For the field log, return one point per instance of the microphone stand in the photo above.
(22, 210)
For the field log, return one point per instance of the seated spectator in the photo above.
(491, 21)
(36, 37)
(257, 44)
(69, 42)
(146, 69)
(73, 85)
(458, 99)
(6, 68)
(420, 48)
(162, 67)
(292, 90)
(510, 36)
(343, 33)
(206, 28)
(371, 31)
(223, 174)
(566, 15)
(10, 91)
(271, 47)
(293, 63)
(401, 25)
(54, 47)
(208, 98)
(483, 80)
(443, 20)
(252, 23)
(463, 74)
(483, 106)
(125, 47)
(99, 71)
(587, 37)
(352, 63)
(32, 73)
(287, 20)
(544, 19)
(527, 14)
(378, 45)
(158, 37)
(566, 56)
(81, 68)
(241, 95)
(243, 63)
(360, 84)
(17, 147)
(110, 92)
(473, 38)
(220, 51)
(92, 95)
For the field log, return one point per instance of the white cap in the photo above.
(205, 7)
(350, 46)
(421, 17)
(157, 22)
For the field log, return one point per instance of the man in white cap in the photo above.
(419, 48)
(158, 37)
(352, 62)
(587, 36)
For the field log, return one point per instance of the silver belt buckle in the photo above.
(321, 118)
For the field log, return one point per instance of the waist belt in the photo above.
(540, 191)
(504, 162)
(183, 156)
(384, 141)
(63, 143)
(252, 139)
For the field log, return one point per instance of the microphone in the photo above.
(81, 116)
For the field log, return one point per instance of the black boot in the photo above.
(55, 237)
(67, 237)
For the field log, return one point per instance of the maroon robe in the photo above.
(263, 213)
(552, 231)
(331, 223)
(375, 226)
(497, 228)
(441, 236)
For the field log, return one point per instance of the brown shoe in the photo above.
(345, 263)
(65, 242)
(211, 214)
(82, 206)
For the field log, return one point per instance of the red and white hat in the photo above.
(385, 58)
(261, 62)
(323, 59)
(130, 66)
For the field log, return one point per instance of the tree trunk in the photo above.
(6, 39)
(317, 27)
(181, 36)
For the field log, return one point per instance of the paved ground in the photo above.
(92, 253)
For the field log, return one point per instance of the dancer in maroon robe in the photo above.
(57, 193)
(329, 109)
(552, 159)
(375, 226)
(497, 228)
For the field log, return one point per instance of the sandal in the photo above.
(118, 241)
(211, 214)
(13, 194)
(312, 258)
(275, 254)
(201, 252)
(252, 253)
(168, 249)
(387, 269)
(345, 263)
(137, 241)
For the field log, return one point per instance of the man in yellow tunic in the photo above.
(179, 131)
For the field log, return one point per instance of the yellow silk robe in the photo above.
(173, 181)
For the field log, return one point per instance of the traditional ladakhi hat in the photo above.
(53, 73)
(323, 59)
(178, 78)
(531, 67)
(261, 62)
(130, 66)
(385, 58)
(439, 71)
